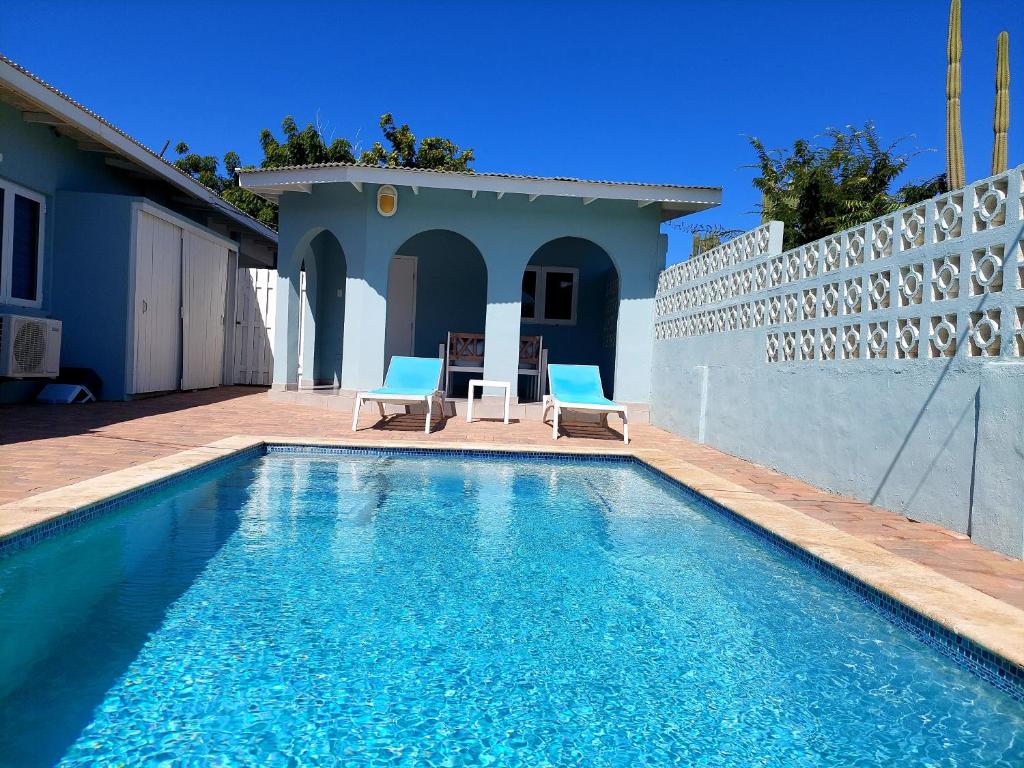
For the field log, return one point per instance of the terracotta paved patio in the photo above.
(45, 447)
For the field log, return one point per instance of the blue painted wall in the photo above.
(507, 233)
(36, 157)
(86, 245)
(91, 276)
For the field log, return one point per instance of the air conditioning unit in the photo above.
(29, 346)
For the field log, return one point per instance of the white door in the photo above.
(303, 311)
(254, 325)
(157, 342)
(401, 318)
(204, 291)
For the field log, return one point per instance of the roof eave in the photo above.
(51, 102)
(674, 201)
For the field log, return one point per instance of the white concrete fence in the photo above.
(886, 361)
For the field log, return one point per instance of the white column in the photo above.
(362, 360)
(286, 330)
(501, 350)
(634, 348)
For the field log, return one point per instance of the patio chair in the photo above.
(578, 388)
(409, 380)
(464, 353)
(531, 351)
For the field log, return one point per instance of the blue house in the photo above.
(110, 257)
(375, 262)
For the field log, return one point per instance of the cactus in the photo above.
(1001, 119)
(954, 138)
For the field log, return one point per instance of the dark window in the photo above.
(25, 253)
(558, 289)
(529, 300)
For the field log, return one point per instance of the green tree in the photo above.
(433, 152)
(308, 147)
(843, 180)
(305, 147)
(203, 168)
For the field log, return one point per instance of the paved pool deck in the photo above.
(43, 448)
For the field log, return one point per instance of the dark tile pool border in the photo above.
(983, 663)
(83, 514)
(990, 667)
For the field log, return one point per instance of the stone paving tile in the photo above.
(47, 447)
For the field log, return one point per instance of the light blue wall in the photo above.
(87, 233)
(90, 286)
(35, 157)
(507, 233)
(887, 417)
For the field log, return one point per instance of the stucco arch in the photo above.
(451, 289)
(321, 267)
(536, 243)
(590, 335)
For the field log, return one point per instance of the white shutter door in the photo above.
(254, 357)
(268, 311)
(245, 299)
(157, 303)
(204, 276)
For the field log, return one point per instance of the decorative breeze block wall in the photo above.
(937, 280)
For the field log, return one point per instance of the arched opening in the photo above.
(571, 300)
(437, 285)
(322, 274)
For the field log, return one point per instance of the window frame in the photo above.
(11, 189)
(540, 298)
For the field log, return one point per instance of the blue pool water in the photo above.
(405, 610)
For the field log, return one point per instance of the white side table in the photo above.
(507, 386)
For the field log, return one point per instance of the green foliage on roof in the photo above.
(308, 147)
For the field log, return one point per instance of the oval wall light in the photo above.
(387, 200)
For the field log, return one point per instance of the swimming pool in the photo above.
(374, 608)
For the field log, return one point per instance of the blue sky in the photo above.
(658, 91)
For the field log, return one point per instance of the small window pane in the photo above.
(558, 295)
(528, 306)
(25, 254)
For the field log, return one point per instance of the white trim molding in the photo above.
(10, 191)
(539, 317)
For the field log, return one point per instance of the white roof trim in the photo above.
(69, 113)
(674, 200)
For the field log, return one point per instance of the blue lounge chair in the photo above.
(578, 388)
(409, 380)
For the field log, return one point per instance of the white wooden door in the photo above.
(400, 330)
(254, 325)
(204, 291)
(303, 311)
(157, 342)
